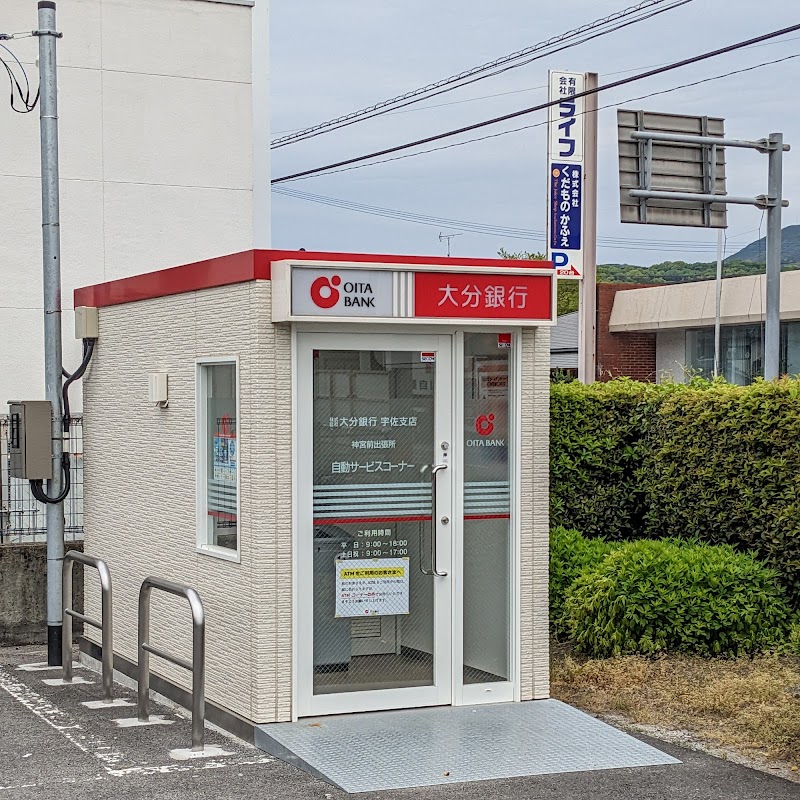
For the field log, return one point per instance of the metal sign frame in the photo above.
(698, 202)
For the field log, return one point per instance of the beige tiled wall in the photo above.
(535, 524)
(140, 489)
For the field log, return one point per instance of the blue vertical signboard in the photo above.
(565, 174)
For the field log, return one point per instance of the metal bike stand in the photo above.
(197, 667)
(104, 626)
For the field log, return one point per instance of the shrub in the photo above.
(791, 646)
(704, 460)
(652, 596)
(722, 464)
(570, 554)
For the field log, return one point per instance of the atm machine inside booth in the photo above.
(332, 636)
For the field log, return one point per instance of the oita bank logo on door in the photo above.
(484, 427)
(341, 293)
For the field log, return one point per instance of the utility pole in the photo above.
(772, 327)
(51, 261)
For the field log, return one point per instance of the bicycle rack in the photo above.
(104, 626)
(196, 666)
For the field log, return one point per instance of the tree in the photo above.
(567, 301)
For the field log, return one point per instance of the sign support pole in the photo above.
(718, 306)
(772, 335)
(587, 339)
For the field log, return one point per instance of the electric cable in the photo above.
(633, 243)
(37, 486)
(542, 49)
(88, 349)
(494, 95)
(25, 96)
(541, 106)
(540, 124)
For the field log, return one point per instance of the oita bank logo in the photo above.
(484, 426)
(327, 292)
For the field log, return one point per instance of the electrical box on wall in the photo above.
(30, 453)
(159, 388)
(87, 323)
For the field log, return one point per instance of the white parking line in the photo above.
(60, 721)
(107, 754)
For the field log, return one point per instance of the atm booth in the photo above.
(346, 455)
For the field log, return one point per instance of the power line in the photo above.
(540, 124)
(592, 30)
(542, 106)
(478, 98)
(490, 230)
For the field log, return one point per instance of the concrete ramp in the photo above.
(434, 746)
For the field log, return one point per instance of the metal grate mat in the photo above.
(434, 746)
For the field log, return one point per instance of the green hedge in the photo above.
(708, 460)
(596, 450)
(648, 597)
(570, 554)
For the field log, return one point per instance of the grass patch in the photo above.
(750, 704)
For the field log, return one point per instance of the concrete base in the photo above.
(23, 601)
(135, 722)
(43, 666)
(62, 682)
(187, 754)
(117, 702)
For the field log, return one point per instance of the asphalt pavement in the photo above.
(53, 746)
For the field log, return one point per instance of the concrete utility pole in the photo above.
(772, 335)
(51, 260)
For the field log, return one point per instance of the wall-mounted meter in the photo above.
(30, 440)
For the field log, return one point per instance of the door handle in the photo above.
(434, 520)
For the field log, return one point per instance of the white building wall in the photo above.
(157, 142)
(671, 357)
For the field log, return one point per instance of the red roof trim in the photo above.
(250, 265)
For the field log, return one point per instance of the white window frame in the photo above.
(201, 461)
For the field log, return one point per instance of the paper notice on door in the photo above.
(371, 587)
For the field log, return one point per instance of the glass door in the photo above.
(374, 507)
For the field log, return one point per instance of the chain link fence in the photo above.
(22, 518)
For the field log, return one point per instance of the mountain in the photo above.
(748, 261)
(756, 251)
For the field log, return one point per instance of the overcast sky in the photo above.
(330, 58)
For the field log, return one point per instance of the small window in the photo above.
(218, 458)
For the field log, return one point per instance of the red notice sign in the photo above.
(482, 296)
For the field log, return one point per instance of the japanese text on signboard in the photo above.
(372, 587)
(482, 296)
(565, 150)
(565, 206)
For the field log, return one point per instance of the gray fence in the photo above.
(22, 519)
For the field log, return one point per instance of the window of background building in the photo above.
(218, 489)
(741, 352)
